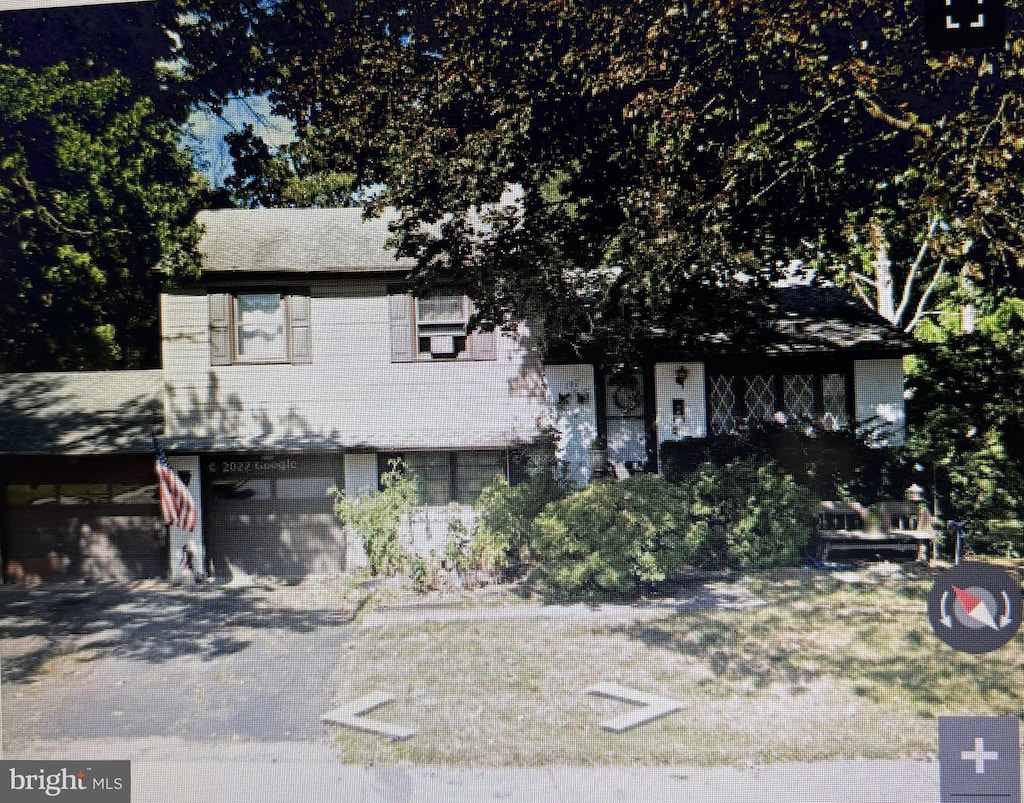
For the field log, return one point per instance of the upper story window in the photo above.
(436, 327)
(259, 327)
(442, 324)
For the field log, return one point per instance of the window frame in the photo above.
(776, 373)
(236, 357)
(462, 323)
(452, 464)
(223, 322)
(404, 326)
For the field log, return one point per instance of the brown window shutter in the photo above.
(402, 311)
(482, 346)
(301, 325)
(220, 329)
(479, 345)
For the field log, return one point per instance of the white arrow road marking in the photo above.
(654, 706)
(351, 716)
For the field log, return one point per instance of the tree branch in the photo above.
(922, 306)
(860, 291)
(908, 123)
(45, 215)
(915, 268)
(984, 136)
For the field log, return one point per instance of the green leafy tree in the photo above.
(96, 201)
(658, 149)
(967, 395)
(288, 176)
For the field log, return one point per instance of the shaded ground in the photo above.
(202, 663)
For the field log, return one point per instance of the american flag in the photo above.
(176, 503)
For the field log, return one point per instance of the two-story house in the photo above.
(299, 362)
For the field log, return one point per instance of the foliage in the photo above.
(378, 516)
(755, 514)
(617, 537)
(505, 513)
(625, 537)
(657, 150)
(458, 553)
(964, 412)
(830, 465)
(289, 176)
(96, 201)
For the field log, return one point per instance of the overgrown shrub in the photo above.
(629, 536)
(755, 514)
(457, 547)
(832, 465)
(377, 517)
(501, 538)
(617, 536)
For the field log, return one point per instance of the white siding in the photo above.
(179, 537)
(878, 388)
(692, 393)
(576, 420)
(352, 395)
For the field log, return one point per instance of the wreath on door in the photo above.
(626, 398)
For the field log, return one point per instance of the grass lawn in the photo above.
(826, 668)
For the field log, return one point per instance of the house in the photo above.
(299, 362)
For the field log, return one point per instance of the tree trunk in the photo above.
(883, 276)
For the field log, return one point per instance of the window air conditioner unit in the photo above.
(442, 345)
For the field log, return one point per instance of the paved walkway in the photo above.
(708, 596)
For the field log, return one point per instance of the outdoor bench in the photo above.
(905, 528)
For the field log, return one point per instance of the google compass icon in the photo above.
(975, 607)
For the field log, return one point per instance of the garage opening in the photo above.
(81, 518)
(270, 514)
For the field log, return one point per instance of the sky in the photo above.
(205, 133)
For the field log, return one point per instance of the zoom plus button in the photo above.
(979, 760)
(975, 607)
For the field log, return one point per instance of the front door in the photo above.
(624, 410)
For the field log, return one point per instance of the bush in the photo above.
(756, 514)
(832, 465)
(501, 539)
(631, 536)
(377, 517)
(618, 537)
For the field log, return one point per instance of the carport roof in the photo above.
(89, 412)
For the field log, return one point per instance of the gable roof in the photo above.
(88, 412)
(297, 241)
